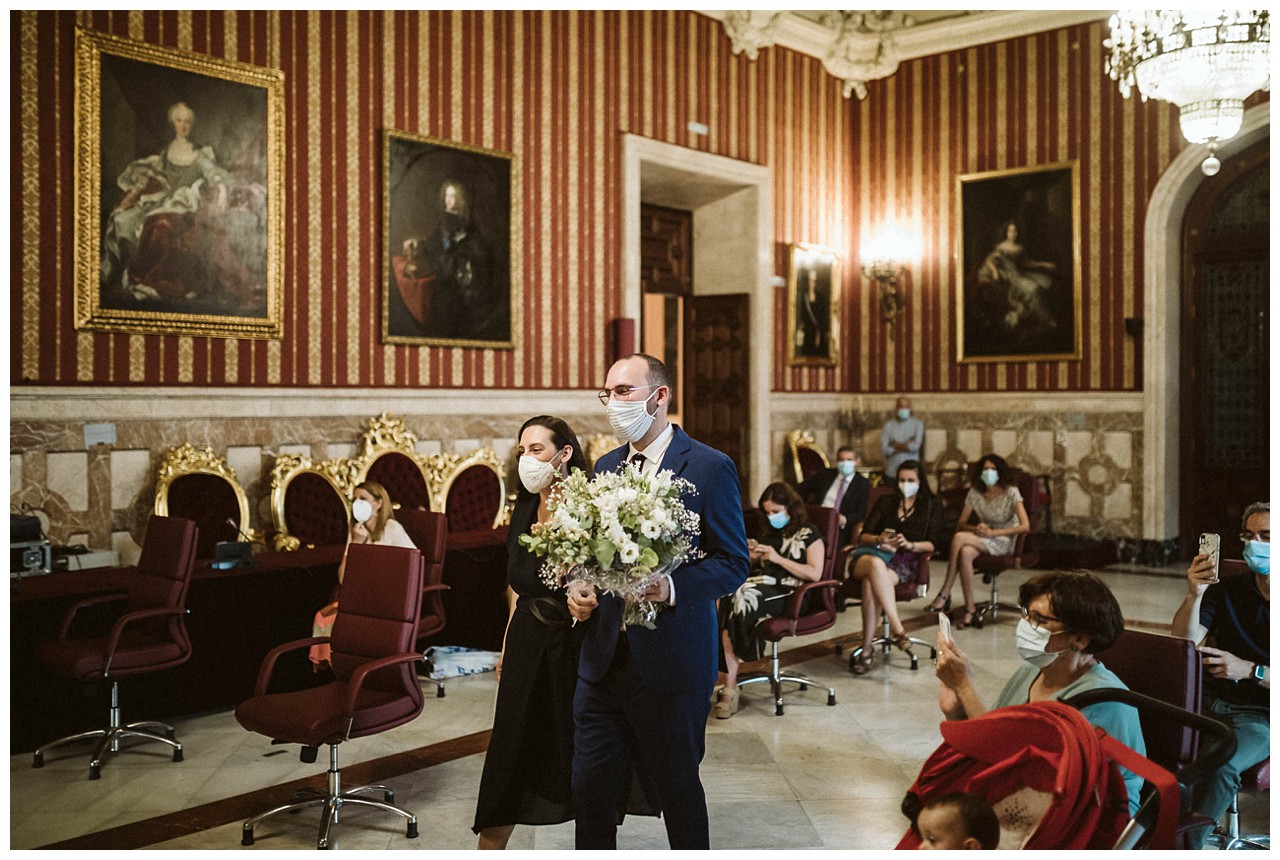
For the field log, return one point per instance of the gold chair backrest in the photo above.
(183, 461)
(803, 439)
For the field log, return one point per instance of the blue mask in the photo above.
(904, 414)
(779, 520)
(1258, 556)
(845, 467)
(990, 477)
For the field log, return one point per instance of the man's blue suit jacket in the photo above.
(681, 652)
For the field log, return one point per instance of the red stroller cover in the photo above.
(1042, 755)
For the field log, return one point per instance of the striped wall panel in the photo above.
(559, 88)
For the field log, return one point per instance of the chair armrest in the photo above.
(117, 629)
(269, 662)
(840, 570)
(796, 599)
(88, 601)
(437, 587)
(356, 681)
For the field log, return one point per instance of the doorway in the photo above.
(1225, 349)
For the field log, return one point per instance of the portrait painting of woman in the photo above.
(183, 190)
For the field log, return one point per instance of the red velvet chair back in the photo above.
(402, 478)
(315, 511)
(474, 499)
(209, 501)
(381, 602)
(1166, 668)
(163, 576)
(430, 532)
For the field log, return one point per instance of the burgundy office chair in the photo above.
(799, 619)
(851, 590)
(1021, 556)
(375, 687)
(151, 635)
(429, 531)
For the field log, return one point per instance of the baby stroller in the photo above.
(1052, 780)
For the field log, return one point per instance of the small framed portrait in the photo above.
(179, 191)
(450, 231)
(1018, 264)
(813, 306)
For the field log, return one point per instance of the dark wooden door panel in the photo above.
(666, 250)
(715, 374)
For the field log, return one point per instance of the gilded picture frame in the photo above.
(451, 243)
(813, 305)
(179, 191)
(1018, 281)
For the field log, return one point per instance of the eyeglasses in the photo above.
(1038, 620)
(1264, 536)
(620, 391)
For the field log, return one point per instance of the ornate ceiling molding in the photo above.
(871, 51)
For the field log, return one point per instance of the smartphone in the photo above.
(944, 623)
(1211, 545)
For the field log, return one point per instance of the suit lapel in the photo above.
(677, 456)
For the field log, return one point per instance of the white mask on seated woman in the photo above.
(361, 510)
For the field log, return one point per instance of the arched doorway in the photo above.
(1225, 355)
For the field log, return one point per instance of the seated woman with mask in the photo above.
(372, 523)
(1067, 618)
(789, 551)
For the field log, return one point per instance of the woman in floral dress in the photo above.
(789, 551)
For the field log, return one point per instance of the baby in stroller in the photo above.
(957, 821)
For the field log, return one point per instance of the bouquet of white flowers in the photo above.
(618, 532)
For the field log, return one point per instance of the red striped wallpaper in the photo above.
(559, 89)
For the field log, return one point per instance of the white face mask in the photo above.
(630, 419)
(535, 474)
(909, 488)
(1031, 643)
(362, 510)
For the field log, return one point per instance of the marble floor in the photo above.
(818, 777)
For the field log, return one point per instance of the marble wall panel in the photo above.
(128, 549)
(970, 442)
(1119, 504)
(1040, 445)
(68, 476)
(79, 539)
(1077, 503)
(463, 446)
(15, 473)
(304, 450)
(1079, 444)
(340, 450)
(1004, 441)
(1119, 446)
(130, 475)
(935, 442)
(428, 447)
(246, 462)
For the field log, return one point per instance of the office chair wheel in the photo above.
(95, 771)
(411, 830)
(439, 692)
(839, 648)
(804, 687)
(977, 622)
(831, 698)
(246, 836)
(389, 796)
(177, 753)
(169, 733)
(37, 760)
(915, 662)
(777, 710)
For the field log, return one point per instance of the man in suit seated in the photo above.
(643, 695)
(841, 488)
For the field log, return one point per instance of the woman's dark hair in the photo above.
(1002, 469)
(914, 466)
(785, 495)
(1082, 601)
(561, 434)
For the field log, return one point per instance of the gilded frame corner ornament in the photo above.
(450, 261)
(182, 460)
(813, 305)
(1017, 244)
(192, 247)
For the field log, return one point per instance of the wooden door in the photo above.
(715, 374)
(1225, 355)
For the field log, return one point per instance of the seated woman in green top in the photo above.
(1067, 618)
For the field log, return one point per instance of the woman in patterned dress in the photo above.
(1002, 516)
(789, 551)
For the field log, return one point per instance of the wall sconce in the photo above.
(886, 256)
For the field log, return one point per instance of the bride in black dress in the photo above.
(527, 769)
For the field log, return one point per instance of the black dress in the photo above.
(528, 768)
(764, 594)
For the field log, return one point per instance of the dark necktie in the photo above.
(638, 459)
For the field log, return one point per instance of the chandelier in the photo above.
(1205, 62)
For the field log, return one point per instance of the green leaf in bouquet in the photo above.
(648, 558)
(604, 552)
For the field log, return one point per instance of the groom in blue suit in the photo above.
(643, 695)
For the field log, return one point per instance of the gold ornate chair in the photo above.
(310, 501)
(600, 444)
(389, 456)
(193, 483)
(805, 456)
(473, 494)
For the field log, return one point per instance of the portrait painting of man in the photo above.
(812, 299)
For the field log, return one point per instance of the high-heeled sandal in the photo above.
(728, 704)
(863, 664)
(903, 643)
(945, 607)
(965, 621)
